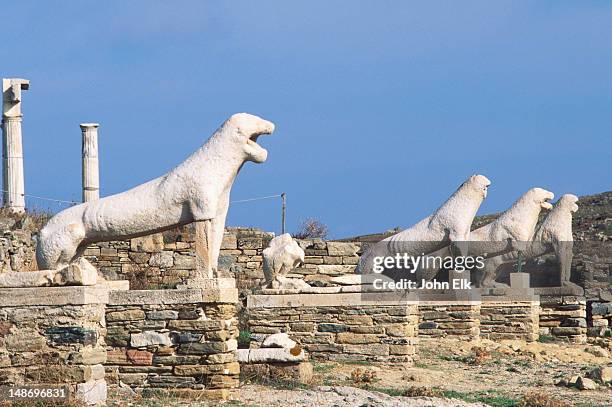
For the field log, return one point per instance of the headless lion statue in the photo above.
(196, 190)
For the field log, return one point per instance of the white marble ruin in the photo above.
(91, 170)
(281, 256)
(80, 272)
(197, 190)
(12, 151)
(553, 235)
(449, 224)
(276, 348)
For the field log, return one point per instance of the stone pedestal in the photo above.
(179, 340)
(510, 312)
(54, 336)
(449, 319)
(510, 320)
(563, 314)
(338, 326)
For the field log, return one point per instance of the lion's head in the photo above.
(540, 197)
(569, 201)
(245, 129)
(478, 183)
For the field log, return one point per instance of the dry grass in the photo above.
(540, 399)
(416, 391)
(363, 376)
(138, 278)
(481, 355)
(311, 228)
(43, 403)
(33, 220)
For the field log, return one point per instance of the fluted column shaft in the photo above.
(91, 171)
(12, 147)
(12, 164)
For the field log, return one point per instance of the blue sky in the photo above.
(382, 108)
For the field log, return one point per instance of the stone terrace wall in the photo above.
(166, 260)
(173, 339)
(337, 326)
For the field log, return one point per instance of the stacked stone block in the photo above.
(564, 317)
(54, 336)
(510, 320)
(148, 262)
(328, 258)
(173, 340)
(454, 320)
(346, 330)
(600, 317)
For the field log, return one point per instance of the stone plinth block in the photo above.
(453, 319)
(174, 339)
(54, 336)
(510, 320)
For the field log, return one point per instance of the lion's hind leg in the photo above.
(59, 247)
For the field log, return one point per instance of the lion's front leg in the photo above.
(209, 235)
(563, 250)
(203, 249)
(217, 230)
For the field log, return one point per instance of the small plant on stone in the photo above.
(244, 339)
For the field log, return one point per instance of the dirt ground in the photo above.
(477, 373)
(508, 369)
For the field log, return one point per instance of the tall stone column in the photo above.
(12, 148)
(91, 171)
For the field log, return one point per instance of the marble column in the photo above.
(91, 172)
(12, 148)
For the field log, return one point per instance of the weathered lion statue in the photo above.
(508, 232)
(449, 224)
(553, 235)
(196, 190)
(281, 256)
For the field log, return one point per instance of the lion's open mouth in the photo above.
(253, 139)
(256, 152)
(546, 204)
